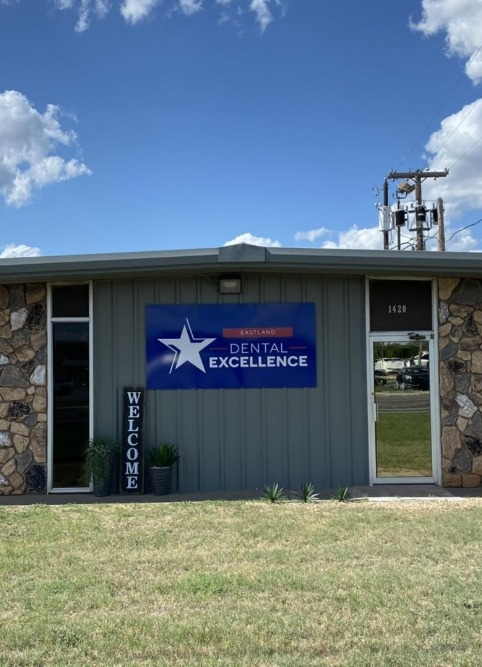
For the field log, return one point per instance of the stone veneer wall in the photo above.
(460, 345)
(23, 394)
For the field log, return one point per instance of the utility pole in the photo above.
(417, 177)
(441, 224)
(399, 229)
(386, 235)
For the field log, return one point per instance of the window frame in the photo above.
(50, 389)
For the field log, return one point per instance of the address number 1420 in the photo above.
(396, 309)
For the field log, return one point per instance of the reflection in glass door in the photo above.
(70, 402)
(70, 409)
(402, 409)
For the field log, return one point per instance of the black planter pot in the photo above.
(101, 488)
(161, 481)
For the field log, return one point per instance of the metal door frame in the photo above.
(50, 385)
(402, 336)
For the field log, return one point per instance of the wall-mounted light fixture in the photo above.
(229, 284)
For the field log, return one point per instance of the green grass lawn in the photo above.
(404, 445)
(241, 583)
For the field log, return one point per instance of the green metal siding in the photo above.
(243, 439)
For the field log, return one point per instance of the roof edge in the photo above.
(241, 257)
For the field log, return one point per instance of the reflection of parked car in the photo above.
(386, 364)
(381, 378)
(414, 377)
(421, 359)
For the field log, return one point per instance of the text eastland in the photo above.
(132, 471)
(242, 357)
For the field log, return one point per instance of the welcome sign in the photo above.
(231, 346)
(132, 458)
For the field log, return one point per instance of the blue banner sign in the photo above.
(221, 346)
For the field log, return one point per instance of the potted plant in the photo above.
(99, 459)
(161, 459)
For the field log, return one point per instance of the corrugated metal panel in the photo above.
(243, 439)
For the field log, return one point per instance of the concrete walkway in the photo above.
(383, 492)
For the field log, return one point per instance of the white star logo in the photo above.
(186, 348)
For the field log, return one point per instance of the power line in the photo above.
(462, 229)
(457, 127)
(422, 221)
(440, 107)
(409, 243)
(466, 152)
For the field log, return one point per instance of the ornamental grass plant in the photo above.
(163, 455)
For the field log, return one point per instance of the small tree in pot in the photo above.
(99, 458)
(161, 459)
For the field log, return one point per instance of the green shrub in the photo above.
(307, 493)
(342, 494)
(163, 456)
(98, 453)
(274, 493)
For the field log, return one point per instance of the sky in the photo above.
(130, 125)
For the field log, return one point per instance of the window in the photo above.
(70, 383)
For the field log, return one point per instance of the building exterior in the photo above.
(279, 372)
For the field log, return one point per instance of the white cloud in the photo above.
(85, 10)
(135, 11)
(254, 240)
(461, 20)
(264, 10)
(364, 239)
(12, 250)
(27, 140)
(371, 238)
(189, 7)
(461, 242)
(457, 145)
(263, 14)
(311, 235)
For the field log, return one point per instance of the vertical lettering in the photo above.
(133, 442)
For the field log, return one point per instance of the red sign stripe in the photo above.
(259, 332)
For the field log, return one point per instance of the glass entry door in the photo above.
(402, 410)
(70, 409)
(70, 403)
